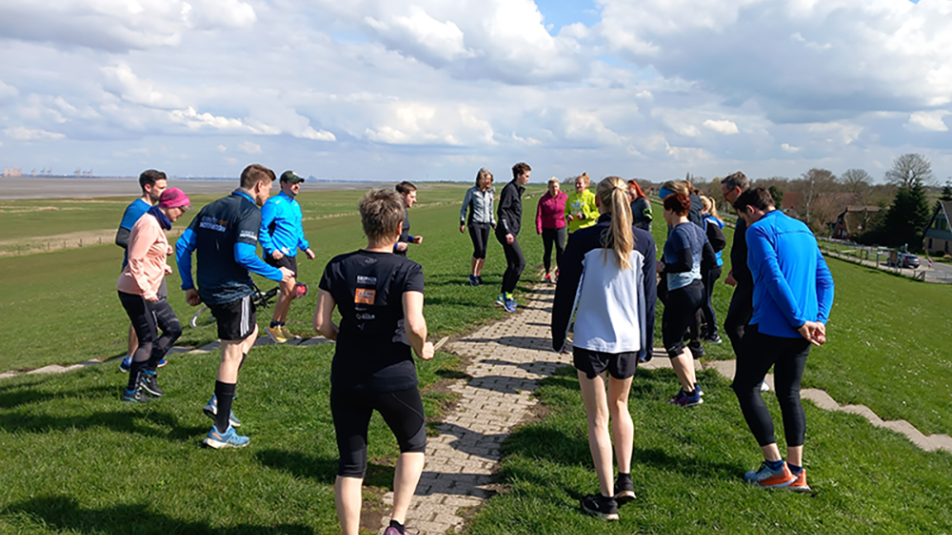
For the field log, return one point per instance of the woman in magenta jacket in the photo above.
(550, 222)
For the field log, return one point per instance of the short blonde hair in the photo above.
(553, 180)
(381, 214)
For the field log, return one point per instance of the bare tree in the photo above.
(857, 181)
(909, 170)
(816, 182)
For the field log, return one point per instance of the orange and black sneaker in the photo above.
(800, 483)
(770, 478)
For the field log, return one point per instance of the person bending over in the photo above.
(793, 294)
(224, 236)
(281, 236)
(609, 272)
(380, 299)
(139, 287)
(479, 204)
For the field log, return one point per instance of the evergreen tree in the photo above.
(946, 191)
(909, 213)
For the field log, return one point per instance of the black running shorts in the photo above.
(236, 319)
(286, 261)
(593, 363)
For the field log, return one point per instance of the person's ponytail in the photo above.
(613, 194)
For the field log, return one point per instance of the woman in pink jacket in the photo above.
(550, 222)
(138, 285)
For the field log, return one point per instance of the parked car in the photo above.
(907, 260)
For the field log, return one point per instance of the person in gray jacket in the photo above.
(479, 203)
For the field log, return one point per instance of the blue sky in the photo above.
(381, 90)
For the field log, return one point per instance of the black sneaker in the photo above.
(473, 281)
(479, 280)
(697, 350)
(624, 490)
(138, 397)
(600, 506)
(151, 385)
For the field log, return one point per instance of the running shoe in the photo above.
(511, 305)
(473, 281)
(211, 410)
(698, 389)
(600, 506)
(276, 334)
(479, 280)
(684, 399)
(697, 350)
(764, 387)
(228, 439)
(800, 483)
(624, 490)
(715, 339)
(769, 478)
(161, 363)
(547, 278)
(126, 364)
(500, 301)
(287, 333)
(151, 385)
(406, 531)
(139, 396)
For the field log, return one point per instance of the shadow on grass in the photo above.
(321, 469)
(24, 395)
(143, 423)
(64, 514)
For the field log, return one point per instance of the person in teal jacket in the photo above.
(281, 235)
(580, 210)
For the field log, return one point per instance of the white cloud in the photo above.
(7, 92)
(26, 134)
(438, 40)
(323, 135)
(222, 148)
(120, 80)
(789, 148)
(723, 126)
(930, 120)
(249, 148)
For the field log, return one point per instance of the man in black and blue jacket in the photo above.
(509, 220)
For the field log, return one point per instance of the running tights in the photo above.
(788, 356)
(479, 233)
(739, 313)
(707, 309)
(515, 263)
(147, 319)
(552, 236)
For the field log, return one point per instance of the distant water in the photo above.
(58, 188)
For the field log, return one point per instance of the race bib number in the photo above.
(364, 296)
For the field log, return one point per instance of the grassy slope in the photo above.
(688, 467)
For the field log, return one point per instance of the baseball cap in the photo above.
(289, 176)
(173, 198)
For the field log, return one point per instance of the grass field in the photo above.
(75, 460)
(688, 467)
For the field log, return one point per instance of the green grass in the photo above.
(688, 467)
(76, 460)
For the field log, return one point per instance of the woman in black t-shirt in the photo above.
(380, 299)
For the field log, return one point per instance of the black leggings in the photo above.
(351, 409)
(680, 309)
(515, 263)
(707, 308)
(479, 233)
(147, 318)
(739, 313)
(552, 236)
(788, 356)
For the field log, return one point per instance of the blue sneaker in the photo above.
(510, 305)
(769, 478)
(228, 439)
(139, 396)
(126, 364)
(685, 400)
(698, 389)
(211, 410)
(500, 301)
(161, 363)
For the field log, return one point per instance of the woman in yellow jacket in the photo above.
(580, 210)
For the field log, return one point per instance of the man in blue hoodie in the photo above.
(793, 294)
(281, 236)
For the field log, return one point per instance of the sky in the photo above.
(434, 90)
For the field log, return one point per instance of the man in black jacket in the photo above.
(742, 302)
(509, 219)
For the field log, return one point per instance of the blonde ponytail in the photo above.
(613, 195)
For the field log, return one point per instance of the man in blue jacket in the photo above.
(281, 236)
(793, 293)
(224, 236)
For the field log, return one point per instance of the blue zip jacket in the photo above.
(230, 223)
(792, 284)
(281, 228)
